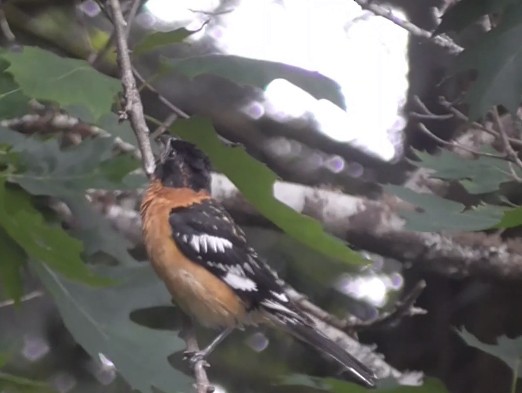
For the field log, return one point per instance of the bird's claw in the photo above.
(195, 357)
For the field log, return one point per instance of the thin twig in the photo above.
(456, 145)
(130, 17)
(440, 40)
(510, 152)
(133, 105)
(428, 114)
(164, 125)
(461, 116)
(162, 98)
(189, 335)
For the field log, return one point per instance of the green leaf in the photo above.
(477, 176)
(512, 218)
(13, 102)
(52, 171)
(256, 181)
(99, 321)
(42, 242)
(497, 58)
(45, 76)
(159, 39)
(465, 12)
(97, 234)
(441, 214)
(506, 349)
(258, 73)
(13, 258)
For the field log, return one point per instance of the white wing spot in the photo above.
(209, 242)
(194, 242)
(280, 296)
(278, 307)
(239, 282)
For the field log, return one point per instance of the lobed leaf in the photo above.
(159, 39)
(506, 349)
(99, 321)
(43, 75)
(97, 234)
(49, 170)
(497, 58)
(439, 214)
(478, 176)
(41, 241)
(258, 73)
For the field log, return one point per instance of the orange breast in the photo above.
(197, 291)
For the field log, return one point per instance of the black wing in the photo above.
(208, 235)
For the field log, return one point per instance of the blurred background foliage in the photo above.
(323, 94)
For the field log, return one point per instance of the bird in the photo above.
(207, 264)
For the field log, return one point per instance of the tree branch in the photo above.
(134, 110)
(440, 40)
(189, 335)
(133, 106)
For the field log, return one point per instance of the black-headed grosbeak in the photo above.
(207, 264)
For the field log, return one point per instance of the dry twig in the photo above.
(189, 335)
(133, 106)
(441, 40)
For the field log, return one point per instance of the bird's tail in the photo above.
(304, 331)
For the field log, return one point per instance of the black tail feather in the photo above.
(304, 332)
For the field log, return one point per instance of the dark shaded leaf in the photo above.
(97, 233)
(13, 258)
(45, 76)
(477, 176)
(439, 214)
(256, 181)
(159, 39)
(42, 242)
(506, 349)
(497, 58)
(52, 171)
(99, 321)
(465, 12)
(259, 73)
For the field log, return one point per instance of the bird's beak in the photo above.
(164, 142)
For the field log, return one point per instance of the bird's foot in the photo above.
(194, 357)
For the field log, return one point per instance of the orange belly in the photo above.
(197, 291)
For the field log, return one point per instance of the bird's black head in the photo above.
(183, 165)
